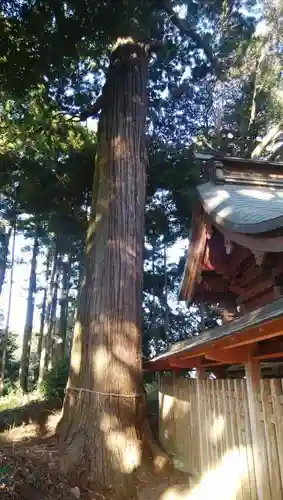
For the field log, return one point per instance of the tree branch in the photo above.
(183, 26)
(276, 153)
(270, 136)
(92, 110)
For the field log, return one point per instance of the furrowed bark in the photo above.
(24, 363)
(6, 331)
(103, 432)
(43, 307)
(4, 240)
(64, 298)
(45, 350)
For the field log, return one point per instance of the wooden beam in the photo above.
(269, 350)
(183, 363)
(212, 282)
(237, 259)
(248, 274)
(255, 334)
(227, 299)
(251, 335)
(195, 255)
(239, 355)
(254, 243)
(262, 282)
(209, 364)
(219, 371)
(259, 300)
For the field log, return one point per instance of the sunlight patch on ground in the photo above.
(30, 431)
(221, 483)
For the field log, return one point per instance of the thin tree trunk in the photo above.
(166, 312)
(44, 355)
(51, 340)
(64, 302)
(6, 331)
(102, 432)
(43, 308)
(24, 363)
(4, 251)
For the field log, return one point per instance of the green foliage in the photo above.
(54, 383)
(16, 399)
(12, 365)
(53, 62)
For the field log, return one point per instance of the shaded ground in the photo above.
(29, 466)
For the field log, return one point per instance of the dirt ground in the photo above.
(29, 468)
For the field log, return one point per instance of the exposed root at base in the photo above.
(160, 461)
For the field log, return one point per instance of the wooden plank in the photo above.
(232, 419)
(259, 452)
(200, 395)
(247, 442)
(272, 349)
(195, 255)
(276, 394)
(224, 394)
(214, 422)
(231, 356)
(221, 418)
(270, 437)
(240, 492)
(267, 433)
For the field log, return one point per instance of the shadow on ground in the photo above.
(30, 468)
(35, 412)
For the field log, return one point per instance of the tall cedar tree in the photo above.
(102, 433)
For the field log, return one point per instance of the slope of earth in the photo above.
(29, 469)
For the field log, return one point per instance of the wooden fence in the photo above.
(226, 434)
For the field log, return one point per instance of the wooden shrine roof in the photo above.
(258, 334)
(242, 208)
(239, 204)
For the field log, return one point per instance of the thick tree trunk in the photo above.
(6, 331)
(24, 363)
(101, 433)
(4, 251)
(46, 345)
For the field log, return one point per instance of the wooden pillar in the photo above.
(253, 375)
(201, 374)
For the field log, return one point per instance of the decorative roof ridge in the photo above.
(232, 170)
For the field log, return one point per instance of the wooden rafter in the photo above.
(195, 256)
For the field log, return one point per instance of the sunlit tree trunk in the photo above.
(64, 298)
(45, 350)
(25, 356)
(4, 251)
(44, 306)
(51, 333)
(6, 331)
(102, 430)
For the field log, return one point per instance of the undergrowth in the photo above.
(16, 398)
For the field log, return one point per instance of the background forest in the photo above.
(215, 85)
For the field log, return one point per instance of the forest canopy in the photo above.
(167, 78)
